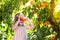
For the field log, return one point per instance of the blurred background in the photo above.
(45, 14)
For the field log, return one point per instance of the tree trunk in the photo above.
(55, 27)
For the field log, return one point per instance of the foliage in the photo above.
(37, 10)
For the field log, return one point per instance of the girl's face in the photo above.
(21, 16)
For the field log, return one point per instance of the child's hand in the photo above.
(18, 19)
(28, 19)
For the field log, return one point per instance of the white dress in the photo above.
(20, 33)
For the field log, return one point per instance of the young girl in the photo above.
(19, 27)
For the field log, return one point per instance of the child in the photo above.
(19, 27)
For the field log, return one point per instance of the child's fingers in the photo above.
(27, 19)
(18, 19)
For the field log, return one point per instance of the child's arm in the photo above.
(15, 26)
(31, 25)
